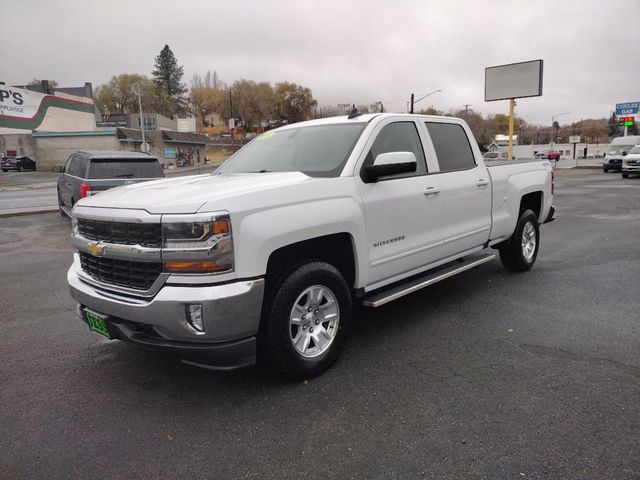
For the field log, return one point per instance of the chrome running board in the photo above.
(393, 293)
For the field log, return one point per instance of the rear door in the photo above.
(465, 188)
(402, 212)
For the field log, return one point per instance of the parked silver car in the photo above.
(88, 173)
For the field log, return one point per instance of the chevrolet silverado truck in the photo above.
(267, 257)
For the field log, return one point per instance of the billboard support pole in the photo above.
(512, 104)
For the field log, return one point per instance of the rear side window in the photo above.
(451, 145)
(125, 168)
(399, 137)
(79, 167)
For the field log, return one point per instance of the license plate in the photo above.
(97, 323)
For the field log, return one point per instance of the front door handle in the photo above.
(482, 182)
(431, 191)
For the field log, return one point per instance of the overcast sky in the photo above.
(345, 51)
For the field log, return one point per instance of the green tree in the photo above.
(120, 95)
(253, 102)
(614, 129)
(208, 95)
(167, 75)
(293, 103)
(430, 111)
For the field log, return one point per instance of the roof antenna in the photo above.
(354, 112)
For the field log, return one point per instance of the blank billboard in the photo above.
(515, 80)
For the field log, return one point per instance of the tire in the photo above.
(20, 168)
(287, 342)
(519, 253)
(5, 170)
(625, 175)
(34, 167)
(605, 170)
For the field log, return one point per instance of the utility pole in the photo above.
(512, 106)
(466, 110)
(144, 142)
(411, 110)
(381, 107)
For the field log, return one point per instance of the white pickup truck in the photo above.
(266, 257)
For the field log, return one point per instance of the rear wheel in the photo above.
(519, 253)
(19, 168)
(305, 320)
(5, 170)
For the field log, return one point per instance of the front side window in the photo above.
(318, 151)
(399, 137)
(69, 165)
(451, 145)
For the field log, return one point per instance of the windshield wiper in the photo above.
(261, 171)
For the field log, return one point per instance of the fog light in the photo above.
(194, 317)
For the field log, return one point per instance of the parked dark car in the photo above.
(17, 163)
(88, 173)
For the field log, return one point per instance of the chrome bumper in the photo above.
(231, 311)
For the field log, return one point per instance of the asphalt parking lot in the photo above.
(489, 375)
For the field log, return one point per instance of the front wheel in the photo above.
(519, 253)
(605, 170)
(625, 175)
(306, 318)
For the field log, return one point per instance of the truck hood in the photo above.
(189, 194)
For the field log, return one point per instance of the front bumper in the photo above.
(231, 314)
(631, 168)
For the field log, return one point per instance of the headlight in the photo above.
(202, 246)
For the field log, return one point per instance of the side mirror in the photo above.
(390, 163)
(57, 169)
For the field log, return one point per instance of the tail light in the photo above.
(85, 190)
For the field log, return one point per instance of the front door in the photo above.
(403, 213)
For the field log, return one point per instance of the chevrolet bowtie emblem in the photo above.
(96, 249)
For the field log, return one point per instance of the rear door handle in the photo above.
(431, 191)
(482, 182)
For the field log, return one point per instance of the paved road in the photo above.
(21, 200)
(487, 376)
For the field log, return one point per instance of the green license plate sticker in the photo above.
(97, 324)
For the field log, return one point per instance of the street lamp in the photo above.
(413, 102)
(553, 117)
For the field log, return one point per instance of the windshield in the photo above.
(618, 149)
(635, 149)
(319, 150)
(125, 168)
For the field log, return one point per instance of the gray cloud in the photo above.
(345, 51)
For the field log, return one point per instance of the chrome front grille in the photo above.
(122, 273)
(144, 234)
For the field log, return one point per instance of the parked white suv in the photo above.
(267, 256)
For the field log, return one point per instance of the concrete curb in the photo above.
(23, 213)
